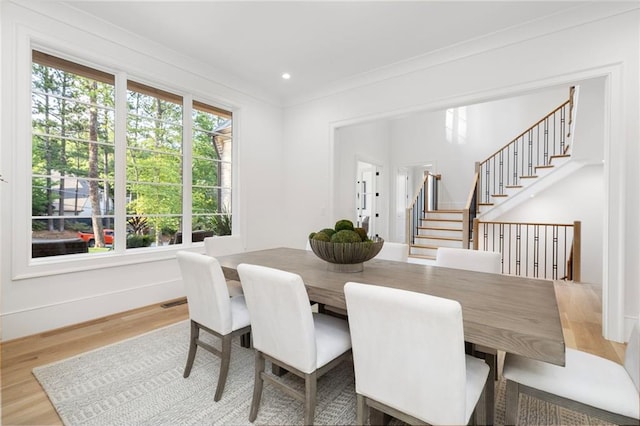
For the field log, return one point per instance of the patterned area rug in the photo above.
(139, 382)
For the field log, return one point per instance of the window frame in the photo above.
(23, 265)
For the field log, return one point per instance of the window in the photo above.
(154, 166)
(211, 171)
(456, 125)
(77, 183)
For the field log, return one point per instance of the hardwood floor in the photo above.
(24, 401)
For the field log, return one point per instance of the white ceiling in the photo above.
(320, 43)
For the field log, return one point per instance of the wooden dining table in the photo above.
(504, 312)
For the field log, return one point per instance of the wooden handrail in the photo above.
(409, 217)
(466, 212)
(527, 223)
(467, 205)
(534, 249)
(418, 189)
(526, 131)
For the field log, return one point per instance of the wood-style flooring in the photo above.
(25, 403)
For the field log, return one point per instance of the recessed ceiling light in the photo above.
(286, 76)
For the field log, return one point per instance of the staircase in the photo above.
(439, 228)
(495, 202)
(508, 175)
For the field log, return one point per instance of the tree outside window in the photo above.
(74, 145)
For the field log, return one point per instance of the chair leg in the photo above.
(257, 387)
(482, 407)
(225, 358)
(310, 383)
(511, 403)
(195, 332)
(245, 340)
(361, 405)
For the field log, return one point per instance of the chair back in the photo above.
(471, 260)
(394, 251)
(281, 319)
(632, 355)
(408, 351)
(206, 290)
(222, 246)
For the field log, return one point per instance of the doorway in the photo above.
(368, 197)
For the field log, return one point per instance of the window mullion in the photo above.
(187, 175)
(120, 210)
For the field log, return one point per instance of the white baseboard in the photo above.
(50, 317)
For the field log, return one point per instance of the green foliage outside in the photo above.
(73, 123)
(136, 241)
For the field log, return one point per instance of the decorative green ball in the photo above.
(346, 236)
(321, 236)
(311, 235)
(363, 234)
(344, 224)
(328, 231)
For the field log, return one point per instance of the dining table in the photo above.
(505, 312)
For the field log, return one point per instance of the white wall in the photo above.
(286, 171)
(420, 138)
(84, 290)
(606, 47)
(578, 197)
(366, 142)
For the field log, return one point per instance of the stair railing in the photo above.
(538, 250)
(532, 148)
(470, 210)
(425, 199)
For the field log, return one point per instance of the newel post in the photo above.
(476, 237)
(576, 251)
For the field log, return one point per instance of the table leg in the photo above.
(378, 418)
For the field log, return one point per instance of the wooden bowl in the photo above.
(346, 257)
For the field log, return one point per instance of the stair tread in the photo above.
(444, 211)
(434, 237)
(485, 204)
(421, 246)
(513, 186)
(499, 195)
(529, 177)
(439, 229)
(423, 256)
(445, 220)
(545, 166)
(561, 156)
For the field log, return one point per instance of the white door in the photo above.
(368, 197)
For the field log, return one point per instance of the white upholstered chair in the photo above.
(478, 261)
(409, 358)
(394, 251)
(220, 246)
(285, 332)
(588, 383)
(211, 309)
(471, 260)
